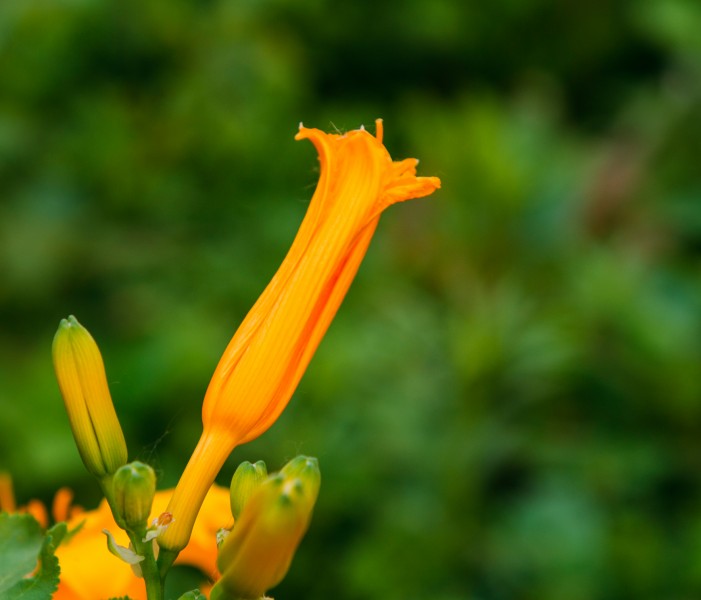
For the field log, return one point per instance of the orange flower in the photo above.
(89, 571)
(269, 353)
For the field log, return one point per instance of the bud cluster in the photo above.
(274, 514)
(271, 512)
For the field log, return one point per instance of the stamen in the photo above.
(7, 496)
(163, 519)
(38, 511)
(61, 507)
(379, 130)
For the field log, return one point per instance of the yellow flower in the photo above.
(269, 353)
(89, 571)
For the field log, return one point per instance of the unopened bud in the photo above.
(306, 469)
(83, 383)
(133, 488)
(245, 480)
(256, 555)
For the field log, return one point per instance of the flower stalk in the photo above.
(252, 384)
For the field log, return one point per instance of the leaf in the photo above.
(44, 583)
(20, 541)
(72, 532)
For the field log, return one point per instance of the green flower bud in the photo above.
(256, 555)
(83, 383)
(133, 489)
(245, 480)
(305, 468)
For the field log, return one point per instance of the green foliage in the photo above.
(21, 542)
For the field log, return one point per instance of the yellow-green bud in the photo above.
(83, 383)
(133, 489)
(245, 480)
(305, 468)
(256, 555)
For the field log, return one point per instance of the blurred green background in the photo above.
(508, 405)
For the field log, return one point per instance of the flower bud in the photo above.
(305, 468)
(83, 383)
(245, 480)
(133, 488)
(257, 553)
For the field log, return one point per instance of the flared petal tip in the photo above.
(307, 132)
(435, 182)
(417, 187)
(311, 133)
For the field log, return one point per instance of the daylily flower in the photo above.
(269, 353)
(89, 571)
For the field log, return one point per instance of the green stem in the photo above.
(166, 558)
(106, 487)
(152, 578)
(149, 567)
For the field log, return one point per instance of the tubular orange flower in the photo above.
(269, 353)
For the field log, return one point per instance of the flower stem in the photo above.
(106, 487)
(166, 558)
(149, 568)
(154, 587)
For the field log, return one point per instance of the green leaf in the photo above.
(72, 532)
(20, 541)
(44, 583)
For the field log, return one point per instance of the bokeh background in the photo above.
(508, 405)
